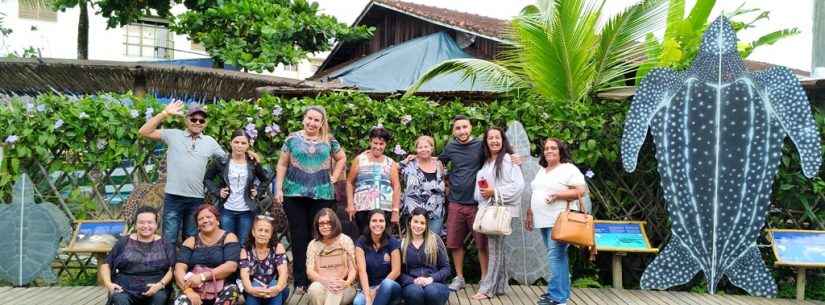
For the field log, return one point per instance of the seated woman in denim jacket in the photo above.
(425, 264)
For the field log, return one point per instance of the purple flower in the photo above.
(134, 113)
(149, 113)
(251, 130)
(29, 107)
(41, 108)
(589, 174)
(58, 123)
(277, 111)
(11, 139)
(83, 115)
(272, 130)
(399, 151)
(406, 119)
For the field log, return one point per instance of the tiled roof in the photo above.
(483, 25)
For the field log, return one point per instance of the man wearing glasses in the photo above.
(186, 158)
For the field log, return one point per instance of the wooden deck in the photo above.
(519, 295)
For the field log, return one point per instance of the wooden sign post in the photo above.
(621, 238)
(799, 249)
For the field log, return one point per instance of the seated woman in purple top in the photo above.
(425, 266)
(378, 258)
(264, 272)
(138, 270)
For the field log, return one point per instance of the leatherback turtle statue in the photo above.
(718, 131)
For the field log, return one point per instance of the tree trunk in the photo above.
(83, 31)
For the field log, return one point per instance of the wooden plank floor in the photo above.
(518, 295)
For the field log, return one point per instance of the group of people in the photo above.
(229, 247)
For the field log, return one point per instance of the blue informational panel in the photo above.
(622, 236)
(798, 247)
(97, 235)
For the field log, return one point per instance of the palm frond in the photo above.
(495, 75)
(620, 48)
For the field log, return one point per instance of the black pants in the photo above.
(123, 298)
(300, 212)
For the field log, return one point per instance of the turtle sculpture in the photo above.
(718, 131)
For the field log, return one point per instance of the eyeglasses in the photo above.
(197, 121)
(325, 224)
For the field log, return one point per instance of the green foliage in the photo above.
(587, 282)
(559, 51)
(257, 35)
(683, 36)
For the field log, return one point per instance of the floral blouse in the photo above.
(265, 270)
(422, 192)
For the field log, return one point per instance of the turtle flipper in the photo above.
(674, 266)
(788, 103)
(749, 273)
(651, 96)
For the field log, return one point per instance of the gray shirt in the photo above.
(466, 159)
(186, 161)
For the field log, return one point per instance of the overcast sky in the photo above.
(793, 52)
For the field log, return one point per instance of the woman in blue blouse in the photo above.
(425, 264)
(379, 263)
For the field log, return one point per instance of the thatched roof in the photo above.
(33, 76)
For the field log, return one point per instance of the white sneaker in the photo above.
(457, 284)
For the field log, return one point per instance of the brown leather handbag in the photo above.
(575, 227)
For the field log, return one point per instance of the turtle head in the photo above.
(719, 38)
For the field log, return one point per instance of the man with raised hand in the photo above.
(187, 154)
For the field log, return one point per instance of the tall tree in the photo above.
(257, 35)
(558, 50)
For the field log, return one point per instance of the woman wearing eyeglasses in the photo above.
(304, 182)
(231, 184)
(264, 271)
(330, 262)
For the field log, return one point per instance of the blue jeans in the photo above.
(558, 286)
(279, 299)
(387, 293)
(239, 223)
(179, 210)
(432, 294)
(436, 225)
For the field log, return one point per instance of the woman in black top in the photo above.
(230, 182)
(138, 270)
(207, 261)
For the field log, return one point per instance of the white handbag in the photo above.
(494, 219)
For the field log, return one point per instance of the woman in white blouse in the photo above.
(557, 183)
(498, 176)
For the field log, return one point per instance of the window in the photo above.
(197, 47)
(36, 11)
(148, 39)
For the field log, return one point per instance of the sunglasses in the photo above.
(197, 121)
(266, 216)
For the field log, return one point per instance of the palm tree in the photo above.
(558, 50)
(82, 23)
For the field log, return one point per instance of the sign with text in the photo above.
(798, 247)
(622, 236)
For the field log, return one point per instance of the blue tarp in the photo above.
(193, 62)
(397, 67)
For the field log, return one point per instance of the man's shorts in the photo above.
(460, 219)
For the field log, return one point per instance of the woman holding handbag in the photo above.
(499, 182)
(330, 262)
(557, 183)
(207, 262)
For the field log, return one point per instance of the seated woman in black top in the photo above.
(138, 270)
(207, 262)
